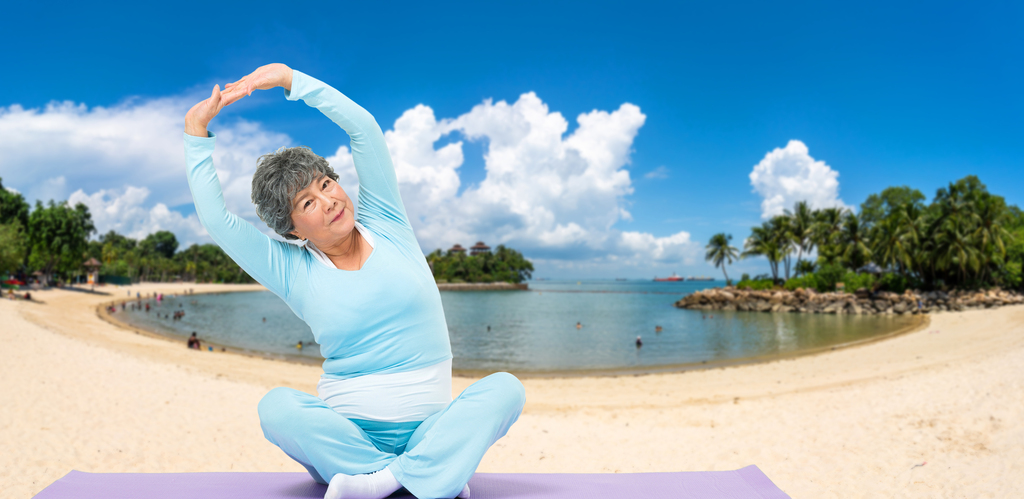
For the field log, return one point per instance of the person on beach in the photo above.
(384, 418)
(193, 342)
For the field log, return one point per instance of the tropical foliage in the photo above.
(502, 265)
(720, 252)
(155, 258)
(965, 238)
(54, 239)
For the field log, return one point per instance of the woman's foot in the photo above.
(377, 485)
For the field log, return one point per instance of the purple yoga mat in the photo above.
(744, 483)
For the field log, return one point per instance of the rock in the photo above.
(899, 307)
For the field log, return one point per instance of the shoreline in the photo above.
(921, 321)
(859, 421)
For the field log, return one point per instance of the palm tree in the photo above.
(857, 252)
(782, 232)
(720, 252)
(956, 250)
(990, 234)
(825, 232)
(893, 241)
(801, 229)
(763, 243)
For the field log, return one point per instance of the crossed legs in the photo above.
(433, 459)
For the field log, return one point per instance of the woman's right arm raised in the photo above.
(268, 261)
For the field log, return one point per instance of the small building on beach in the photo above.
(92, 269)
(456, 249)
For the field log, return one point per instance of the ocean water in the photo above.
(535, 331)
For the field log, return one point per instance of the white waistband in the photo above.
(393, 398)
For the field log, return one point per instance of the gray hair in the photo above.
(279, 176)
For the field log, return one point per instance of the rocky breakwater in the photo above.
(860, 302)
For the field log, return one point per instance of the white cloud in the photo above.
(788, 175)
(660, 173)
(545, 193)
(125, 213)
(108, 150)
(556, 197)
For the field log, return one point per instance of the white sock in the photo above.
(376, 485)
(465, 492)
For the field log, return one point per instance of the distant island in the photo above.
(480, 269)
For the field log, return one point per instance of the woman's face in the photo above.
(322, 213)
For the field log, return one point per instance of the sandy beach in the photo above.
(937, 412)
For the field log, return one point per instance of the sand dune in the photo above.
(81, 393)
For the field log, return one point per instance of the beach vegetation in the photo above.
(966, 238)
(757, 284)
(58, 235)
(12, 247)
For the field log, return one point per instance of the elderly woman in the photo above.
(384, 418)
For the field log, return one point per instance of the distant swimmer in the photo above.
(488, 327)
(579, 326)
(193, 342)
(264, 319)
(657, 329)
(639, 342)
(298, 345)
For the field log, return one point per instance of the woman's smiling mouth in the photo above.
(338, 217)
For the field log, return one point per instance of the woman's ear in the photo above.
(296, 234)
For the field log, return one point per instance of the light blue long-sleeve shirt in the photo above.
(385, 317)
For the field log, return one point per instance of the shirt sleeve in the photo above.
(271, 262)
(380, 203)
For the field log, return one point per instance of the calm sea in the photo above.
(535, 331)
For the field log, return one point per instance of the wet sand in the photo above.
(82, 393)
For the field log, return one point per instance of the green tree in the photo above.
(58, 237)
(763, 242)
(161, 242)
(12, 246)
(720, 252)
(802, 231)
(782, 233)
(892, 199)
(854, 238)
(12, 207)
(827, 226)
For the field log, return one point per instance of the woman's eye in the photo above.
(308, 204)
(325, 184)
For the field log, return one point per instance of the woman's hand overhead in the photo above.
(200, 115)
(264, 78)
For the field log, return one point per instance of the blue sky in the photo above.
(880, 93)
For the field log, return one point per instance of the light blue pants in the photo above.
(432, 459)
